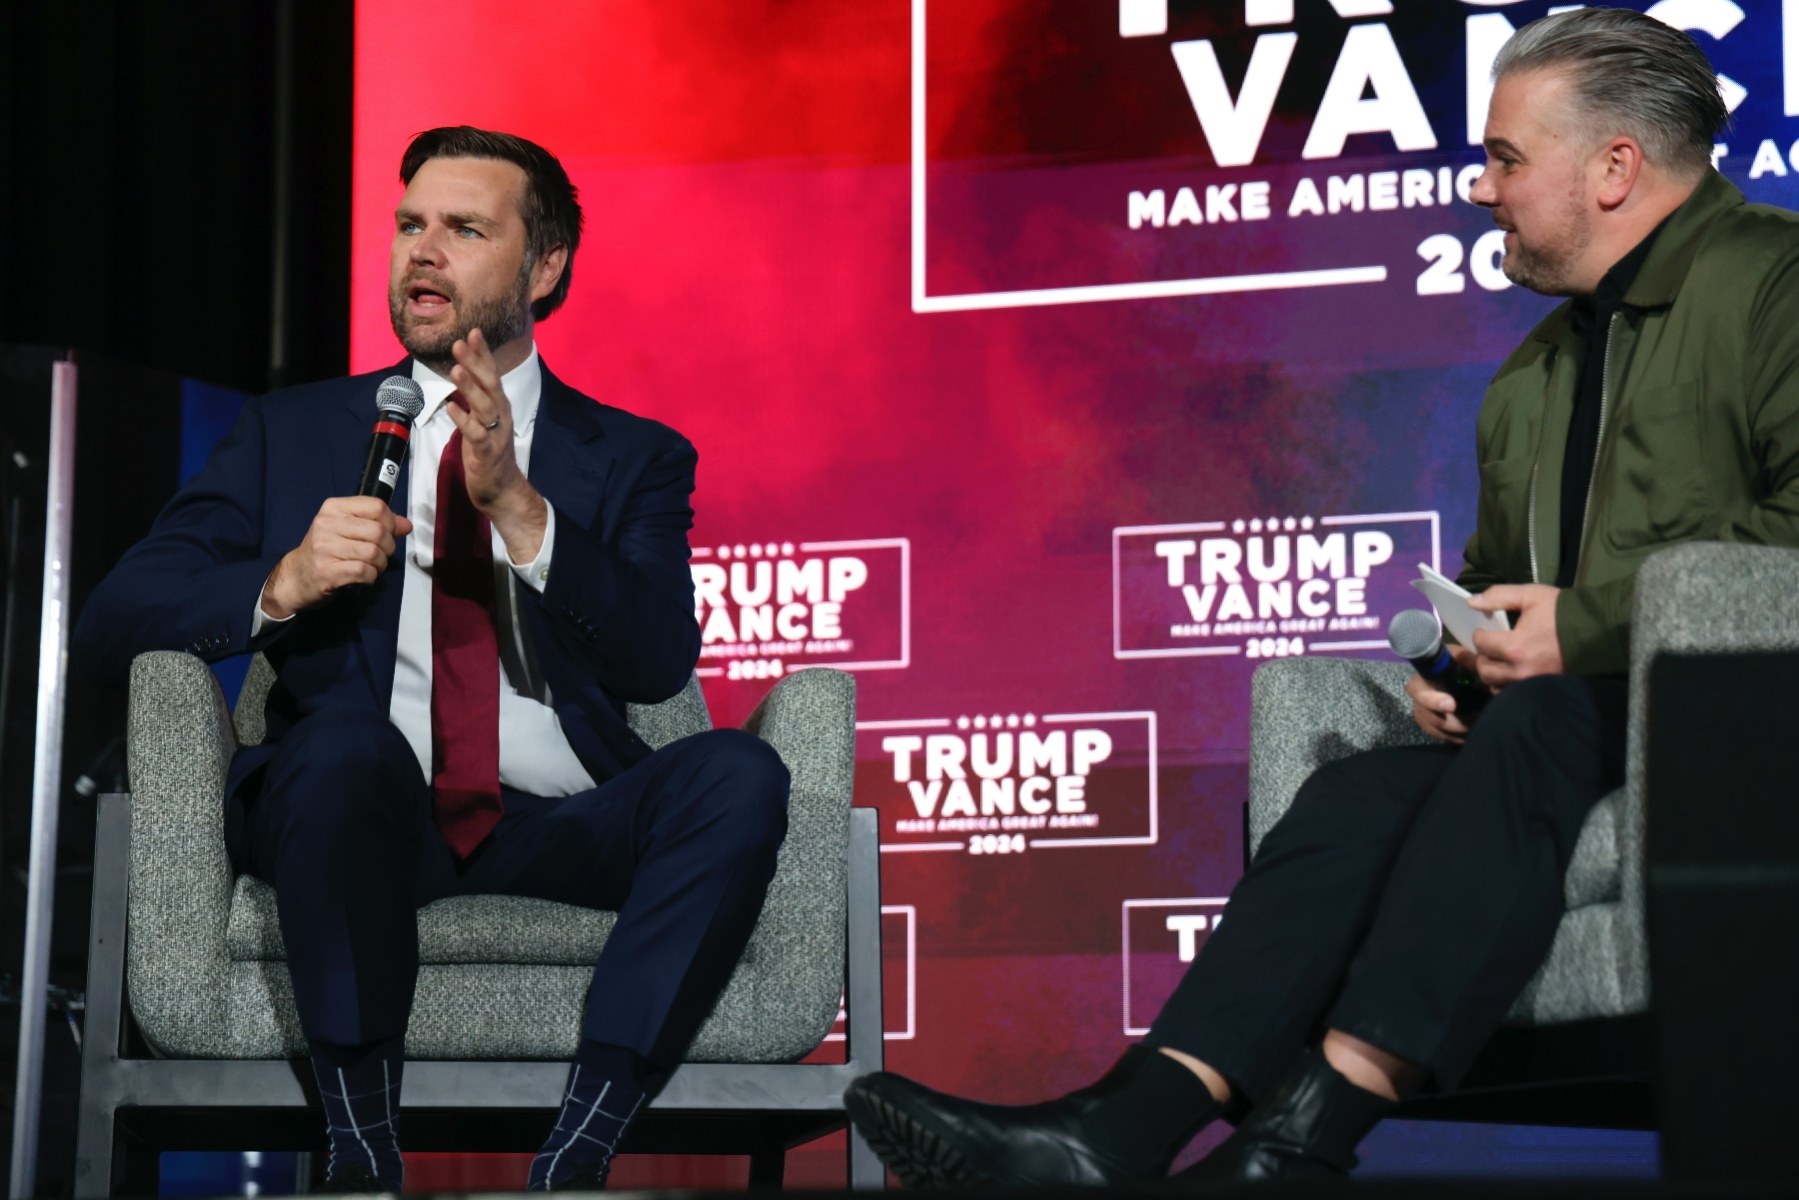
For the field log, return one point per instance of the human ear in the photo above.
(1619, 163)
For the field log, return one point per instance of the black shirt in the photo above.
(1592, 320)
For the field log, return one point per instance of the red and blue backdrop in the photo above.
(1051, 364)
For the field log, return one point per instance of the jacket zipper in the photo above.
(1530, 522)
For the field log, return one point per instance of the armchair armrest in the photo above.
(179, 744)
(1305, 712)
(681, 715)
(1720, 597)
(809, 717)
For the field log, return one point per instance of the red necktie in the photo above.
(465, 661)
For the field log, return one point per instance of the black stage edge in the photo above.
(1362, 1189)
(1723, 897)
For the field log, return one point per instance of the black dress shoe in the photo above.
(1308, 1129)
(930, 1139)
(349, 1180)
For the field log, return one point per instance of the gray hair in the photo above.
(1630, 74)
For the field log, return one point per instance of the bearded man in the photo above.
(448, 716)
(1394, 914)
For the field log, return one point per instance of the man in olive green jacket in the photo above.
(1409, 894)
(1699, 433)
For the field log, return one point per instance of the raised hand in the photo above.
(495, 484)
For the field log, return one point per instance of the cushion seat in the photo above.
(1594, 874)
(208, 970)
(458, 929)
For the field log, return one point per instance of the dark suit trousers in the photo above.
(1408, 895)
(681, 846)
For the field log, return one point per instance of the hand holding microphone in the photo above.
(352, 539)
(1446, 693)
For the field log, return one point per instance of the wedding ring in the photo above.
(495, 425)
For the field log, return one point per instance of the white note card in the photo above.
(1450, 599)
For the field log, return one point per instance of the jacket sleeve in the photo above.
(621, 610)
(193, 582)
(1770, 372)
(1594, 620)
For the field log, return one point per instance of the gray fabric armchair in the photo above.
(211, 1023)
(1702, 597)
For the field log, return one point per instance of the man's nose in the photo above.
(427, 247)
(1483, 192)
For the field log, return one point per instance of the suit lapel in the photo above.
(563, 467)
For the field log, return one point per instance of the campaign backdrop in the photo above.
(1052, 364)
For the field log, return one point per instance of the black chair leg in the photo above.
(137, 1168)
(768, 1167)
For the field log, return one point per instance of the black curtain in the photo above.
(173, 175)
(139, 210)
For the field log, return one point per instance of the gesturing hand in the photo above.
(349, 542)
(1530, 647)
(496, 486)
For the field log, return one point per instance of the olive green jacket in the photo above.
(1699, 426)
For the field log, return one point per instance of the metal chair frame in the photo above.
(134, 1105)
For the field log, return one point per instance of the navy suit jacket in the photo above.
(614, 623)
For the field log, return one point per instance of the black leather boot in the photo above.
(1128, 1126)
(1308, 1129)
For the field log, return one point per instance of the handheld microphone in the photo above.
(1417, 636)
(398, 401)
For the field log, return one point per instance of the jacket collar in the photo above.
(360, 400)
(1659, 280)
(1662, 273)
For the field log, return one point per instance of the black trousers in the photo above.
(682, 846)
(1408, 895)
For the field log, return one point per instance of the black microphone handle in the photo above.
(1441, 672)
(386, 452)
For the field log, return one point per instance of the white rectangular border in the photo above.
(904, 545)
(1048, 843)
(1121, 531)
(910, 912)
(1037, 297)
(1131, 1030)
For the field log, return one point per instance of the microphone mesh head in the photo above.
(399, 396)
(1414, 633)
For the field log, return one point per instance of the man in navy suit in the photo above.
(448, 716)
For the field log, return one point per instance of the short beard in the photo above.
(1547, 269)
(500, 319)
(1543, 274)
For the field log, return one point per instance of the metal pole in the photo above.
(281, 205)
(46, 778)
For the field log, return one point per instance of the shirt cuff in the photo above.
(260, 620)
(536, 573)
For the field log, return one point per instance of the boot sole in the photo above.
(911, 1148)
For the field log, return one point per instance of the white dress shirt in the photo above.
(535, 757)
